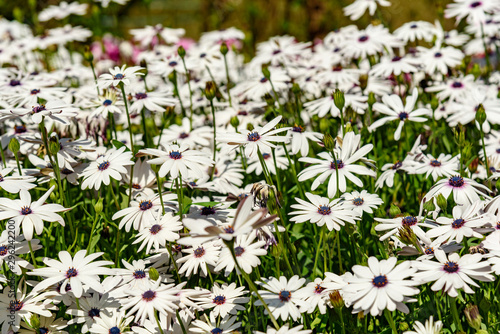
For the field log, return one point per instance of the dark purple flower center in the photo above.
(35, 91)
(403, 116)
(254, 136)
(43, 330)
(457, 84)
(450, 267)
(149, 295)
(140, 96)
(456, 181)
(139, 274)
(155, 229)
(458, 223)
(20, 129)
(145, 205)
(266, 156)
(192, 184)
(107, 102)
(199, 252)
(413, 26)
(118, 76)
(14, 83)
(498, 150)
(497, 226)
(318, 289)
(339, 165)
(216, 330)
(219, 300)
(114, 330)
(380, 281)
(285, 295)
(409, 221)
(136, 186)
(475, 4)
(103, 166)
(26, 210)
(37, 109)
(242, 113)
(3, 250)
(324, 210)
(16, 305)
(397, 165)
(208, 210)
(71, 272)
(66, 171)
(358, 201)
(228, 229)
(397, 58)
(238, 251)
(275, 52)
(438, 55)
(176, 155)
(94, 312)
(183, 135)
(298, 128)
(172, 63)
(263, 80)
(435, 163)
(363, 38)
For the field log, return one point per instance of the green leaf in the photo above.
(204, 203)
(118, 144)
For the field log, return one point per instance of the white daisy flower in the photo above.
(300, 140)
(359, 7)
(226, 326)
(30, 215)
(11, 248)
(119, 75)
(104, 168)
(224, 300)
(158, 233)
(393, 225)
(362, 201)
(453, 272)
(57, 110)
(47, 325)
(260, 138)
(327, 167)
(199, 257)
(318, 292)
(15, 183)
(116, 323)
(382, 285)
(430, 327)
(247, 254)
(464, 190)
(284, 297)
(152, 101)
(286, 330)
(92, 308)
(79, 271)
(444, 165)
(393, 107)
(321, 211)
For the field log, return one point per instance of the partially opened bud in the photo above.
(336, 299)
(181, 51)
(473, 317)
(329, 142)
(480, 114)
(210, 89)
(339, 99)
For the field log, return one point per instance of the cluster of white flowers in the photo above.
(159, 171)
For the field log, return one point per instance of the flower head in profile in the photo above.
(359, 7)
(118, 75)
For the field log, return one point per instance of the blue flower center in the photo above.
(155, 229)
(37, 109)
(457, 84)
(409, 221)
(172, 64)
(358, 201)
(118, 76)
(438, 55)
(403, 116)
(26, 210)
(228, 229)
(363, 38)
(107, 102)
(3, 250)
(456, 181)
(149, 295)
(145, 205)
(219, 300)
(429, 250)
(199, 252)
(216, 330)
(20, 129)
(16, 305)
(114, 330)
(324, 210)
(238, 251)
(254, 136)
(266, 156)
(94, 312)
(103, 166)
(285, 295)
(176, 155)
(207, 211)
(339, 165)
(298, 128)
(435, 163)
(14, 83)
(263, 80)
(380, 281)
(475, 4)
(139, 274)
(397, 165)
(43, 330)
(71, 272)
(183, 135)
(35, 91)
(450, 267)
(458, 223)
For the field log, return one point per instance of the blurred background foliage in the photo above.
(259, 19)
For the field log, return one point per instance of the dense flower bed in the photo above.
(162, 185)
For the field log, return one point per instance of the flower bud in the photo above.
(87, 55)
(223, 48)
(172, 77)
(35, 322)
(348, 127)
(154, 274)
(210, 89)
(442, 202)
(296, 88)
(98, 206)
(250, 127)
(403, 326)
(473, 317)
(235, 122)
(429, 205)
(394, 210)
(480, 114)
(329, 142)
(406, 235)
(363, 81)
(266, 72)
(434, 103)
(473, 165)
(181, 51)
(54, 145)
(339, 99)
(14, 145)
(336, 299)
(371, 99)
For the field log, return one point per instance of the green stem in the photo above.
(228, 81)
(390, 319)
(318, 248)
(454, 312)
(122, 87)
(19, 165)
(32, 255)
(188, 78)
(158, 322)
(169, 250)
(215, 130)
(180, 322)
